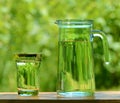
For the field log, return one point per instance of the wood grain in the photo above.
(51, 97)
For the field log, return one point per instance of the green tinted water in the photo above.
(27, 77)
(75, 70)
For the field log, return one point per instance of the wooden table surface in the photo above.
(51, 97)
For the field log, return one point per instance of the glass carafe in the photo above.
(75, 57)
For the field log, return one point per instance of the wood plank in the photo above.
(51, 97)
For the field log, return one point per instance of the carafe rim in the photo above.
(73, 21)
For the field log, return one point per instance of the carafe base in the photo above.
(75, 94)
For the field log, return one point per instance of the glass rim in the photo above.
(73, 21)
(28, 54)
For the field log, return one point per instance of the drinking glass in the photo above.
(28, 74)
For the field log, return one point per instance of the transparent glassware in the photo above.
(75, 57)
(28, 74)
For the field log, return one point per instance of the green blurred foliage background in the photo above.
(28, 26)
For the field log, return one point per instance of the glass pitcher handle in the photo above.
(100, 34)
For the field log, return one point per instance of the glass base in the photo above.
(75, 94)
(28, 92)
